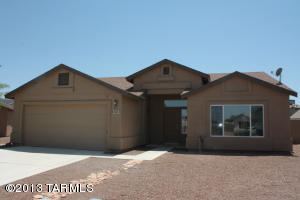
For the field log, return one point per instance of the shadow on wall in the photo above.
(295, 127)
(233, 153)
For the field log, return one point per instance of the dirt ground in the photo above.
(180, 175)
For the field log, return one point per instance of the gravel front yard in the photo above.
(182, 175)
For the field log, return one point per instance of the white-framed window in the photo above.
(237, 120)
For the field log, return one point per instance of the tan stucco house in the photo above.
(164, 103)
(295, 127)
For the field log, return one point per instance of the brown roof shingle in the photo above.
(259, 75)
(125, 85)
(121, 83)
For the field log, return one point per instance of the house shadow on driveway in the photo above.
(148, 152)
(142, 149)
(46, 150)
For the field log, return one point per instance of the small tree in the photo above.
(2, 86)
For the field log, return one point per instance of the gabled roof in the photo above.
(258, 77)
(62, 66)
(165, 61)
(7, 103)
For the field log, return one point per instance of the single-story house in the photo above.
(166, 102)
(6, 117)
(294, 108)
(295, 127)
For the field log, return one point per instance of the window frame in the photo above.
(58, 79)
(250, 106)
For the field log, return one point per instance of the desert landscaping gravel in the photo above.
(183, 175)
(63, 175)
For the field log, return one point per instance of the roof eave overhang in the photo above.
(165, 61)
(239, 74)
(11, 94)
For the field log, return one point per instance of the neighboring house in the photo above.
(6, 117)
(164, 103)
(237, 125)
(295, 126)
(293, 108)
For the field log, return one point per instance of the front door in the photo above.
(172, 124)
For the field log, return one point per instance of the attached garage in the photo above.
(65, 108)
(66, 125)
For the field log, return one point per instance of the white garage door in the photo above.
(78, 126)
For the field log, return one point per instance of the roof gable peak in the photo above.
(241, 75)
(70, 69)
(162, 62)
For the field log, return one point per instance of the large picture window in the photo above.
(183, 121)
(237, 120)
(217, 120)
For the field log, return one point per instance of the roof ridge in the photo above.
(162, 62)
(113, 77)
(237, 71)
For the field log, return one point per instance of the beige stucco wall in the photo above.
(277, 132)
(133, 123)
(295, 127)
(178, 80)
(80, 90)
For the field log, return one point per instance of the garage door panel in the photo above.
(80, 126)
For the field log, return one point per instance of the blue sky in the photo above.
(117, 38)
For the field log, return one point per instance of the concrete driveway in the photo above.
(23, 161)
